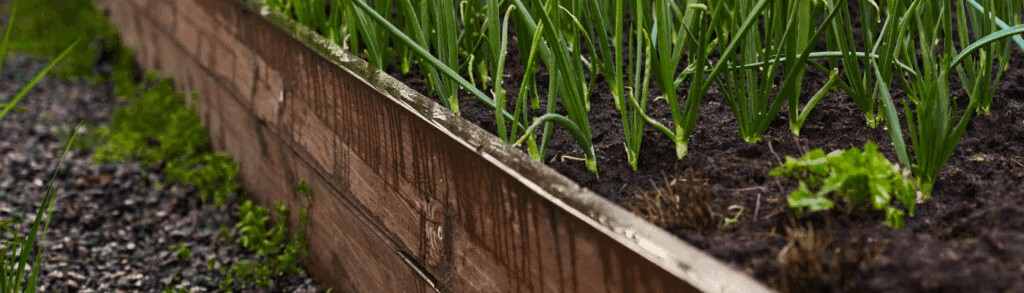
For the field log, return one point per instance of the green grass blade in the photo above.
(5, 44)
(44, 214)
(12, 103)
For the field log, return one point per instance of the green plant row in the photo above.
(279, 251)
(156, 127)
(756, 53)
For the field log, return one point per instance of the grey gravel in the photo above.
(115, 225)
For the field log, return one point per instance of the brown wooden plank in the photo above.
(316, 91)
(346, 251)
(407, 197)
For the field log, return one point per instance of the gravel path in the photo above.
(116, 226)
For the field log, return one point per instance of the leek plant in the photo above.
(935, 121)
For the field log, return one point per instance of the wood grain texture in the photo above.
(406, 197)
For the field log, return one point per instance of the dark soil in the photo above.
(116, 227)
(969, 237)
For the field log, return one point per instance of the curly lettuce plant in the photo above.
(853, 179)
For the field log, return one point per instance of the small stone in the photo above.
(17, 158)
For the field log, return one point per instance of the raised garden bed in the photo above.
(408, 197)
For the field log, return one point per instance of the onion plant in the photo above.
(310, 11)
(628, 79)
(936, 121)
(568, 82)
(440, 15)
(528, 89)
(1001, 12)
(500, 50)
(786, 39)
(450, 73)
(420, 50)
(858, 78)
(361, 29)
(480, 38)
(342, 24)
(756, 52)
(539, 53)
(983, 71)
(433, 27)
(495, 32)
(672, 42)
(682, 32)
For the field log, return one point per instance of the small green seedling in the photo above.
(304, 190)
(182, 251)
(157, 127)
(853, 179)
(265, 232)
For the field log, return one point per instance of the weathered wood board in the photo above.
(406, 197)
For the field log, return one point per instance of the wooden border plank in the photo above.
(407, 197)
